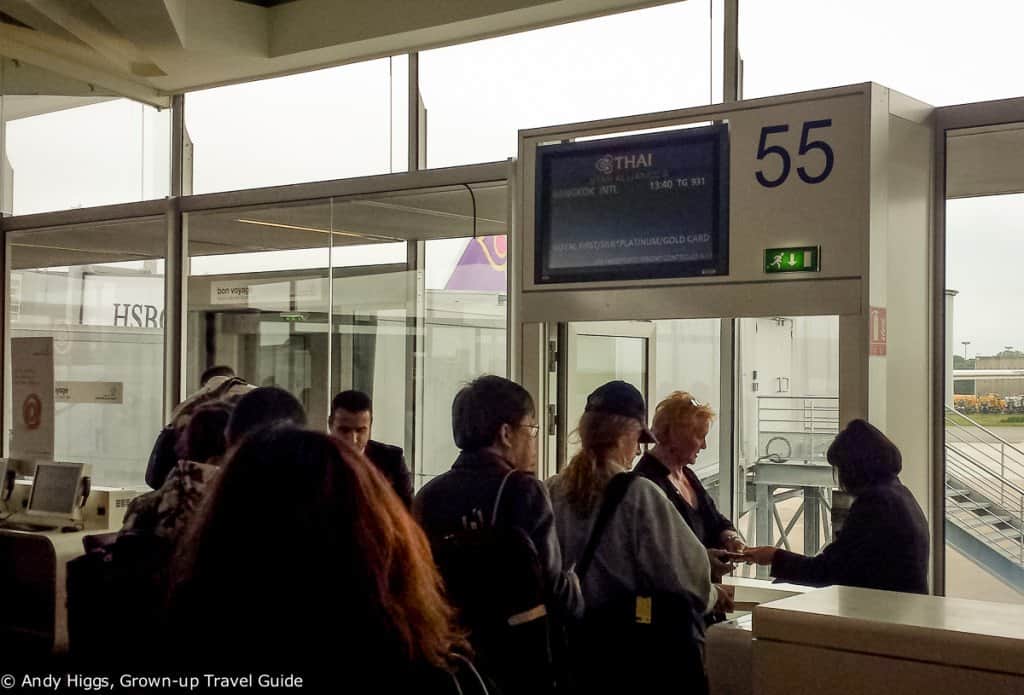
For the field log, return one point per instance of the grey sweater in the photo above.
(646, 547)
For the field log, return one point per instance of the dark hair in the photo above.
(216, 370)
(353, 401)
(267, 405)
(863, 457)
(203, 437)
(339, 560)
(483, 406)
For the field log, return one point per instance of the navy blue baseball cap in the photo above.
(621, 398)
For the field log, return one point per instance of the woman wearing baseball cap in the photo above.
(636, 559)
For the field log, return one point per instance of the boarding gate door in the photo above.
(753, 252)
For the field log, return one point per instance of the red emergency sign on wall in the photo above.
(878, 331)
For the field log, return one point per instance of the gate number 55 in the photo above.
(764, 149)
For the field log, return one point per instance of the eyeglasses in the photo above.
(534, 430)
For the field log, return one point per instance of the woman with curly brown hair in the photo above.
(681, 425)
(303, 558)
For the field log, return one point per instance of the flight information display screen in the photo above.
(635, 207)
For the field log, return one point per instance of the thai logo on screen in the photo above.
(611, 163)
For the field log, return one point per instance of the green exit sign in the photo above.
(797, 259)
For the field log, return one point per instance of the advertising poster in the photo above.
(32, 394)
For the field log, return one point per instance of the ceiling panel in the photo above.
(437, 213)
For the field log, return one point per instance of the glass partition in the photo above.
(687, 357)
(787, 414)
(323, 296)
(464, 333)
(258, 295)
(97, 292)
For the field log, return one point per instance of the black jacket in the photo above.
(883, 545)
(706, 522)
(162, 458)
(390, 461)
(472, 485)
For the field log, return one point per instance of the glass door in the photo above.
(658, 357)
(605, 351)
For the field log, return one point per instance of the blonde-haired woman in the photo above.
(681, 425)
(643, 549)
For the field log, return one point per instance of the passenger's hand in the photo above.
(733, 543)
(725, 602)
(721, 563)
(763, 555)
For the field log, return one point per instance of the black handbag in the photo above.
(649, 642)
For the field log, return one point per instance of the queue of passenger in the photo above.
(268, 543)
(335, 583)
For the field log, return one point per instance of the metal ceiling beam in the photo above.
(77, 62)
(370, 28)
(24, 12)
(90, 27)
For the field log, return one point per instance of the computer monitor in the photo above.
(56, 489)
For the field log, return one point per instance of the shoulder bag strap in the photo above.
(476, 677)
(497, 498)
(613, 494)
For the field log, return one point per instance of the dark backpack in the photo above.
(494, 578)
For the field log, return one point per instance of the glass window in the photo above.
(984, 417)
(67, 146)
(464, 334)
(478, 95)
(328, 124)
(267, 322)
(259, 301)
(318, 297)
(936, 52)
(98, 292)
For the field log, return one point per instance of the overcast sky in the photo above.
(350, 121)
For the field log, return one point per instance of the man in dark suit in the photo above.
(352, 420)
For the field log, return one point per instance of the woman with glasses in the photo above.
(681, 425)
